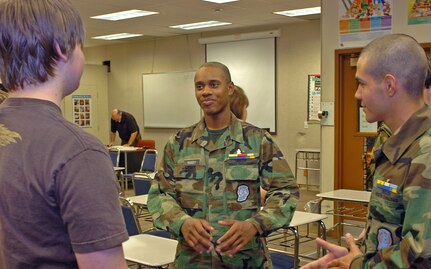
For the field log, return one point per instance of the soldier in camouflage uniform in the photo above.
(391, 73)
(207, 193)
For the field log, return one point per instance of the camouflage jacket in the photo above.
(201, 179)
(399, 220)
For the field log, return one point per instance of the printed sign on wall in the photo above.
(419, 11)
(82, 110)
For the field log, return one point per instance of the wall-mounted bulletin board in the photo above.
(313, 97)
(169, 100)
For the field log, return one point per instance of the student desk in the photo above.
(341, 210)
(130, 158)
(150, 250)
(299, 218)
(119, 173)
(139, 200)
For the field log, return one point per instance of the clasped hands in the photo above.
(197, 234)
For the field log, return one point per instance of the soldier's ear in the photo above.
(390, 84)
(231, 88)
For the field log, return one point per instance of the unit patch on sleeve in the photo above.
(384, 238)
(243, 192)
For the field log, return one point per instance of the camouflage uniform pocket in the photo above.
(189, 187)
(242, 183)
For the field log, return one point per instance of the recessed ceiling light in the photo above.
(299, 12)
(123, 15)
(197, 25)
(116, 36)
(221, 1)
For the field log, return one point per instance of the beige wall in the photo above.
(330, 43)
(298, 54)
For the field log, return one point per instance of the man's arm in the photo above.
(282, 191)
(111, 143)
(104, 259)
(164, 208)
(132, 139)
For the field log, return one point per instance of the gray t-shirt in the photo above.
(58, 193)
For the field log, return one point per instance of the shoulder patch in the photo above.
(243, 192)
(384, 238)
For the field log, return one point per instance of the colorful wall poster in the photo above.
(361, 21)
(419, 11)
(82, 110)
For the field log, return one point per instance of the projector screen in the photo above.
(252, 67)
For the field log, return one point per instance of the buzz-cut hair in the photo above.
(30, 30)
(220, 66)
(401, 56)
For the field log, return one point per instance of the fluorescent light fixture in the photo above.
(197, 25)
(123, 15)
(299, 12)
(116, 36)
(221, 1)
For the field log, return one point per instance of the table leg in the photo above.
(296, 247)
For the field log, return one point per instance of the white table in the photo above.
(302, 218)
(342, 196)
(150, 250)
(140, 200)
(346, 195)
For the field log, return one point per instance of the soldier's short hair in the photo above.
(29, 33)
(221, 66)
(400, 55)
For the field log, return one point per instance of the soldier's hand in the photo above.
(239, 234)
(197, 233)
(334, 252)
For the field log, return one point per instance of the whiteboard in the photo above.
(252, 67)
(169, 100)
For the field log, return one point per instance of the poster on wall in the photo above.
(82, 110)
(419, 11)
(361, 21)
(313, 98)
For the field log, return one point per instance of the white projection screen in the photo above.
(252, 67)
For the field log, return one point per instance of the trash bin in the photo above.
(312, 206)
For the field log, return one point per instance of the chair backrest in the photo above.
(281, 260)
(115, 157)
(146, 143)
(129, 215)
(159, 233)
(142, 184)
(149, 161)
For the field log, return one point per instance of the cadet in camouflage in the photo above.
(391, 73)
(211, 178)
